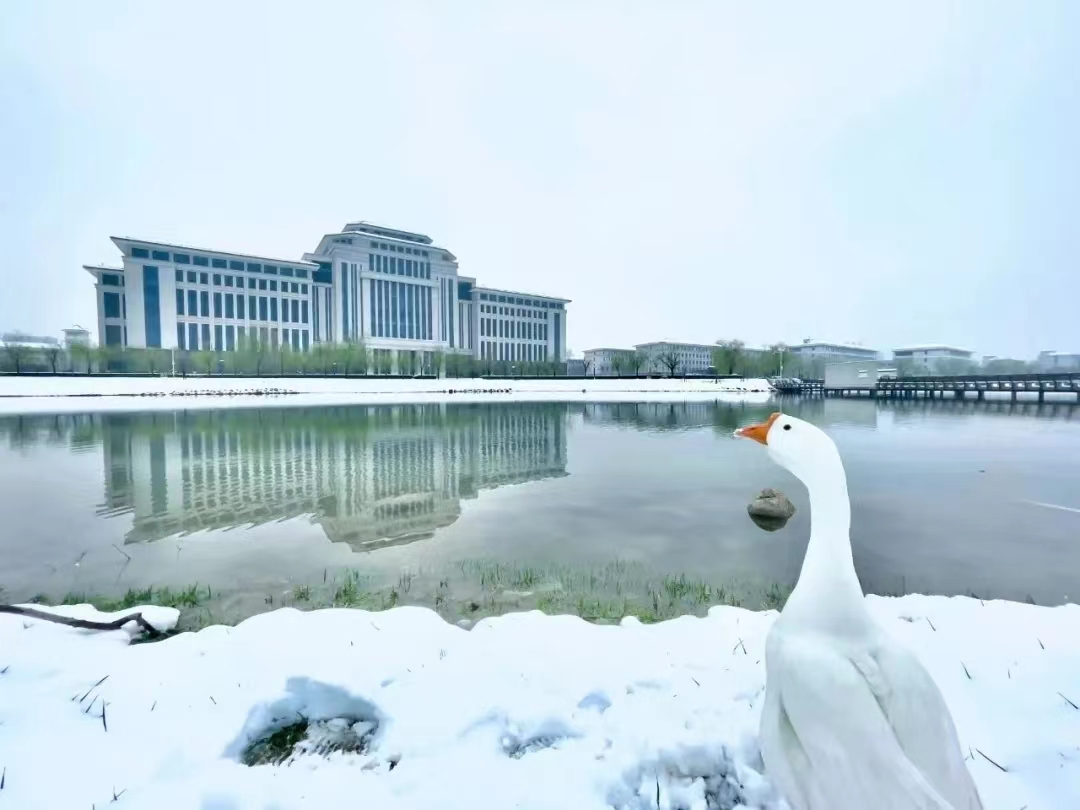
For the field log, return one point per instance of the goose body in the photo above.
(852, 720)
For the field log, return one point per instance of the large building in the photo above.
(395, 291)
(688, 358)
(831, 352)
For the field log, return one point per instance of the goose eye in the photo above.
(787, 427)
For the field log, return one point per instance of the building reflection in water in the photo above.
(369, 476)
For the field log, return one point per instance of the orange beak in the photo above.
(759, 432)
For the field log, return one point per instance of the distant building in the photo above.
(931, 357)
(34, 342)
(831, 352)
(76, 336)
(609, 362)
(1058, 361)
(393, 290)
(694, 358)
(575, 367)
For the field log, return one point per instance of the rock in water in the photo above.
(771, 510)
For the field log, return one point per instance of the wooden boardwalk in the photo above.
(968, 386)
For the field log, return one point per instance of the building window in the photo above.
(192, 303)
(217, 337)
(228, 281)
(140, 253)
(303, 313)
(284, 310)
(110, 280)
(253, 284)
(262, 283)
(152, 306)
(179, 302)
(236, 265)
(286, 271)
(193, 337)
(159, 255)
(240, 307)
(295, 310)
(230, 338)
(179, 276)
(262, 308)
(181, 258)
(269, 269)
(228, 306)
(112, 304)
(206, 337)
(301, 272)
(273, 285)
(192, 277)
(204, 303)
(113, 336)
(180, 342)
(251, 308)
(254, 268)
(204, 278)
(217, 279)
(219, 263)
(273, 310)
(217, 305)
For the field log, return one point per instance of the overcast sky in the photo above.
(880, 173)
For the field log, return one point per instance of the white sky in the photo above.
(888, 174)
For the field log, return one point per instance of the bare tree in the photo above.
(637, 361)
(53, 354)
(616, 363)
(586, 364)
(671, 360)
(729, 355)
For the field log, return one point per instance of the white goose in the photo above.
(851, 720)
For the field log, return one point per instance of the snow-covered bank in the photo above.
(20, 394)
(525, 710)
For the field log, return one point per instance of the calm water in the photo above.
(949, 498)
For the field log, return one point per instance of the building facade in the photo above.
(394, 291)
(931, 357)
(1058, 361)
(693, 358)
(831, 352)
(609, 362)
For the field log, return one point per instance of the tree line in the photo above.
(256, 359)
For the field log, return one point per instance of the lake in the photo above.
(591, 508)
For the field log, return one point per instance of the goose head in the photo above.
(802, 449)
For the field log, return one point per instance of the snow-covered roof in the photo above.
(831, 344)
(675, 343)
(934, 347)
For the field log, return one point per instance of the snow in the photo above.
(26, 394)
(524, 710)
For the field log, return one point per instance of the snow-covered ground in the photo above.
(521, 711)
(82, 394)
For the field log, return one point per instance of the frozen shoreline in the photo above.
(524, 710)
(92, 394)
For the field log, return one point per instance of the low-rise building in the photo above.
(668, 356)
(1058, 361)
(932, 357)
(829, 352)
(856, 374)
(610, 362)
